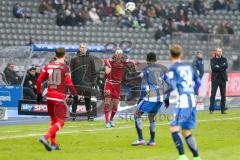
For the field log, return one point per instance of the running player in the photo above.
(151, 98)
(182, 77)
(59, 81)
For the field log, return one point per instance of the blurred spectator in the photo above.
(198, 64)
(230, 30)
(182, 16)
(30, 79)
(222, 29)
(222, 5)
(159, 34)
(11, 75)
(200, 27)
(238, 5)
(102, 12)
(151, 12)
(58, 4)
(173, 14)
(94, 16)
(84, 14)
(45, 5)
(71, 20)
(18, 11)
(167, 27)
(181, 26)
(189, 28)
(110, 9)
(181, 6)
(161, 11)
(120, 11)
(190, 9)
(3, 80)
(29, 85)
(32, 40)
(199, 7)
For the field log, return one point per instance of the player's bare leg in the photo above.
(114, 111)
(152, 128)
(191, 142)
(138, 126)
(107, 102)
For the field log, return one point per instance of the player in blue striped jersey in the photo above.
(183, 78)
(151, 98)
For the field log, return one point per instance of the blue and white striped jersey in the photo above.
(153, 85)
(182, 77)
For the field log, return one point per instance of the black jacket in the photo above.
(198, 65)
(83, 72)
(219, 67)
(12, 77)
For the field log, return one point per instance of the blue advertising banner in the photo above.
(9, 95)
(75, 48)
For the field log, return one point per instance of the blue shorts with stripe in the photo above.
(149, 107)
(185, 118)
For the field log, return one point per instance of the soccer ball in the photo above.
(130, 6)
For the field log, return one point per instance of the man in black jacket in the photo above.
(29, 85)
(198, 64)
(11, 75)
(83, 74)
(219, 66)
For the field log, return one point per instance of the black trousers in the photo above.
(222, 85)
(87, 101)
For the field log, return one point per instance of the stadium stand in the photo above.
(17, 31)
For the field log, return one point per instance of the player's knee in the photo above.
(115, 108)
(106, 108)
(137, 115)
(174, 129)
(186, 133)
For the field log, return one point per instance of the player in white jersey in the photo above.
(183, 78)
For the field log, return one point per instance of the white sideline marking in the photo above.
(104, 129)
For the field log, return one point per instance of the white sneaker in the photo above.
(108, 125)
(112, 123)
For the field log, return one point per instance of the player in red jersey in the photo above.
(115, 68)
(59, 81)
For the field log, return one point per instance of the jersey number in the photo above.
(54, 76)
(186, 76)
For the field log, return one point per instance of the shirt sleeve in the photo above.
(69, 83)
(170, 79)
(43, 75)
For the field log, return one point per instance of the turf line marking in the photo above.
(104, 129)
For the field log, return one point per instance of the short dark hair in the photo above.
(151, 57)
(32, 69)
(175, 50)
(60, 52)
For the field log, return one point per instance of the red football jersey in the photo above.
(117, 70)
(58, 81)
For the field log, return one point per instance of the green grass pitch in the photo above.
(218, 137)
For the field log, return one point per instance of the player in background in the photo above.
(151, 98)
(114, 68)
(59, 81)
(185, 80)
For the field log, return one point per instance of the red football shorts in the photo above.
(57, 110)
(112, 90)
